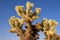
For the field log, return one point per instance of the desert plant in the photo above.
(31, 31)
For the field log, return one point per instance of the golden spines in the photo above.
(38, 10)
(20, 10)
(51, 24)
(29, 5)
(15, 23)
(12, 21)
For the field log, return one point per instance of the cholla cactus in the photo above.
(31, 31)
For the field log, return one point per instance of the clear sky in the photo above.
(50, 10)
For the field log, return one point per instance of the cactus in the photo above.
(31, 31)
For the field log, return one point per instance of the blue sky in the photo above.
(50, 10)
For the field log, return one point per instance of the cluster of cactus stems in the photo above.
(31, 31)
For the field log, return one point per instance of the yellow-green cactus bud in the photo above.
(12, 21)
(50, 22)
(38, 10)
(19, 10)
(45, 21)
(29, 5)
(55, 23)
